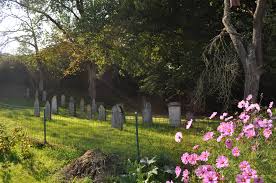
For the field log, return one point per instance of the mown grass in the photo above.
(69, 137)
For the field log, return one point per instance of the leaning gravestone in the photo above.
(89, 111)
(146, 113)
(82, 105)
(71, 106)
(117, 118)
(36, 107)
(48, 115)
(94, 107)
(54, 105)
(28, 93)
(63, 101)
(174, 113)
(102, 113)
(44, 96)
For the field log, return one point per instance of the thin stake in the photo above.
(44, 123)
(137, 137)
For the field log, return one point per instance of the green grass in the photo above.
(70, 137)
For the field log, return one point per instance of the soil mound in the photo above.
(93, 164)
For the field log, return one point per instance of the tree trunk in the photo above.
(92, 80)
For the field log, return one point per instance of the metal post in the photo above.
(44, 123)
(137, 138)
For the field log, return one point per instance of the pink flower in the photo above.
(189, 124)
(267, 132)
(210, 177)
(204, 156)
(269, 112)
(249, 131)
(213, 115)
(185, 176)
(236, 151)
(240, 136)
(177, 171)
(230, 117)
(250, 173)
(203, 169)
(249, 97)
(226, 129)
(169, 181)
(228, 144)
(222, 162)
(242, 179)
(208, 136)
(178, 137)
(244, 117)
(195, 147)
(241, 104)
(193, 158)
(223, 115)
(219, 138)
(258, 180)
(244, 165)
(270, 105)
(184, 158)
(265, 123)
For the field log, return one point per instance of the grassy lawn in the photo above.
(70, 137)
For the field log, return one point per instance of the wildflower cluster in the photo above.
(250, 124)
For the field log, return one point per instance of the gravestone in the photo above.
(28, 93)
(40, 85)
(63, 101)
(36, 108)
(94, 107)
(82, 105)
(118, 117)
(54, 106)
(71, 106)
(174, 113)
(44, 96)
(48, 115)
(146, 113)
(36, 94)
(102, 113)
(89, 111)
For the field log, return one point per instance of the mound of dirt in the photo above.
(93, 164)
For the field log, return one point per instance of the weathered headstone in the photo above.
(63, 101)
(48, 115)
(174, 113)
(94, 107)
(146, 113)
(102, 113)
(36, 107)
(71, 106)
(44, 96)
(54, 106)
(118, 117)
(89, 111)
(28, 93)
(82, 105)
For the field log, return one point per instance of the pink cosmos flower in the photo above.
(269, 112)
(270, 105)
(265, 123)
(210, 177)
(208, 136)
(267, 132)
(242, 179)
(213, 115)
(202, 170)
(196, 147)
(184, 158)
(185, 176)
(226, 129)
(193, 158)
(189, 124)
(244, 165)
(222, 162)
(228, 118)
(249, 131)
(229, 144)
(258, 180)
(223, 116)
(177, 171)
(204, 156)
(219, 138)
(250, 173)
(236, 152)
(241, 104)
(178, 137)
(249, 97)
(244, 117)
